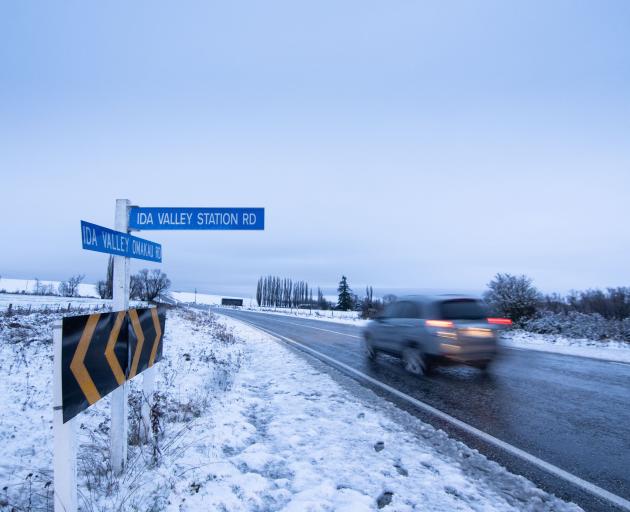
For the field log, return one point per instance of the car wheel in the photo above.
(414, 361)
(370, 352)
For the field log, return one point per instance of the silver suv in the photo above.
(425, 330)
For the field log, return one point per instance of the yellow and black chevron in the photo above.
(103, 350)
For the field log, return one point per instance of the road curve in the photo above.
(572, 412)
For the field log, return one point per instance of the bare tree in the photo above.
(136, 288)
(101, 289)
(105, 289)
(109, 279)
(154, 283)
(39, 287)
(322, 303)
(70, 288)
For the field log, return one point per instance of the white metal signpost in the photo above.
(82, 389)
(120, 296)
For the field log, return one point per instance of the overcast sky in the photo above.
(404, 144)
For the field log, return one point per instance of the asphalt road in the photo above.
(572, 412)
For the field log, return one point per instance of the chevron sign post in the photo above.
(95, 355)
(102, 351)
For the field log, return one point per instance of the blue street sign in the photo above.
(197, 218)
(100, 239)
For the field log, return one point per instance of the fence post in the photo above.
(119, 400)
(64, 438)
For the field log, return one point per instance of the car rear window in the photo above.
(462, 309)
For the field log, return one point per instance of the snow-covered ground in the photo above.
(245, 424)
(608, 350)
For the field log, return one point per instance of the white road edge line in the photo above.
(513, 450)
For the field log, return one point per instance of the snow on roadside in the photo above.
(244, 424)
(313, 446)
(606, 350)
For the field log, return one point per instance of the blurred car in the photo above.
(439, 329)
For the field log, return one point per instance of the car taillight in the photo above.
(438, 323)
(500, 321)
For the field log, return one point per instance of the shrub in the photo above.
(512, 296)
(574, 324)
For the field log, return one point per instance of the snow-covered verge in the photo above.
(609, 350)
(200, 361)
(243, 424)
(312, 445)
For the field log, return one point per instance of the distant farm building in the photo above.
(231, 302)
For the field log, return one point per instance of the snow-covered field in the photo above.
(203, 298)
(23, 302)
(76, 305)
(17, 294)
(345, 317)
(245, 424)
(28, 286)
(607, 350)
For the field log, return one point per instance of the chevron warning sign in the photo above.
(103, 350)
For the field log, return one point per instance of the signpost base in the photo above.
(119, 405)
(64, 439)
